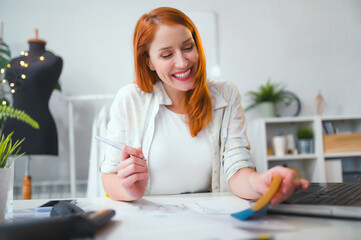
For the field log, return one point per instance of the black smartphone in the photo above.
(46, 207)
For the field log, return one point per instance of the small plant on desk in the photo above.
(7, 149)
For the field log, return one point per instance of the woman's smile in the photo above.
(184, 75)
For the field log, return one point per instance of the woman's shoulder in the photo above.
(131, 92)
(220, 86)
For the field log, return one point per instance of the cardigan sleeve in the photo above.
(236, 154)
(116, 132)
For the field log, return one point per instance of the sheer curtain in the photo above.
(95, 188)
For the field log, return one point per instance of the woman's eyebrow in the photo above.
(165, 48)
(184, 42)
(188, 40)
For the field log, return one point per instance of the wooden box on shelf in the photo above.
(339, 143)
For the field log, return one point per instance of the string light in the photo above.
(24, 64)
(2, 70)
(4, 102)
(23, 76)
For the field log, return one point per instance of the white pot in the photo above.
(279, 145)
(6, 191)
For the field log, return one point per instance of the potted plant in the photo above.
(266, 97)
(9, 151)
(305, 140)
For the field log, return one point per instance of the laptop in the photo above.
(331, 200)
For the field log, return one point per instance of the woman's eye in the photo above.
(166, 56)
(189, 47)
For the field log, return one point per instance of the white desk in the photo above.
(186, 217)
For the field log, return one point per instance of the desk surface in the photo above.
(203, 216)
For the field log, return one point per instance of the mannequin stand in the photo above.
(27, 180)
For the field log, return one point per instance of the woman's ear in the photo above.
(149, 64)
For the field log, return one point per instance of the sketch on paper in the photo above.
(212, 207)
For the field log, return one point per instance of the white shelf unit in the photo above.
(342, 155)
(312, 166)
(292, 157)
(350, 162)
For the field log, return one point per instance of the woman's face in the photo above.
(174, 56)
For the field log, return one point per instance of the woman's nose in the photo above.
(181, 61)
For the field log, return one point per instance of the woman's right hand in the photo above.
(133, 172)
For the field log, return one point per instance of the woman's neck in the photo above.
(177, 99)
(36, 48)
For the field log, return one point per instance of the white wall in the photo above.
(306, 44)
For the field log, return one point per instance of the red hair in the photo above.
(197, 102)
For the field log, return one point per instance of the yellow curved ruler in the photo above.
(266, 197)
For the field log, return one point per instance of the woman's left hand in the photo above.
(289, 183)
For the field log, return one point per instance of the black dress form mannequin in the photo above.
(34, 76)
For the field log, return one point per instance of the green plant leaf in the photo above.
(7, 148)
(305, 132)
(49, 51)
(57, 87)
(6, 111)
(5, 54)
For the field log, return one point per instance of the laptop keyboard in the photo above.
(346, 194)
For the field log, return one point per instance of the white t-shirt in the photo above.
(178, 162)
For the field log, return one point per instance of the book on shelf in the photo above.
(328, 127)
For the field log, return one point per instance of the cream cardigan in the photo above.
(132, 118)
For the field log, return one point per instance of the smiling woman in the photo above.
(168, 42)
(181, 133)
(175, 64)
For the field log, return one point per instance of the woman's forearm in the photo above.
(248, 184)
(113, 188)
(242, 184)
